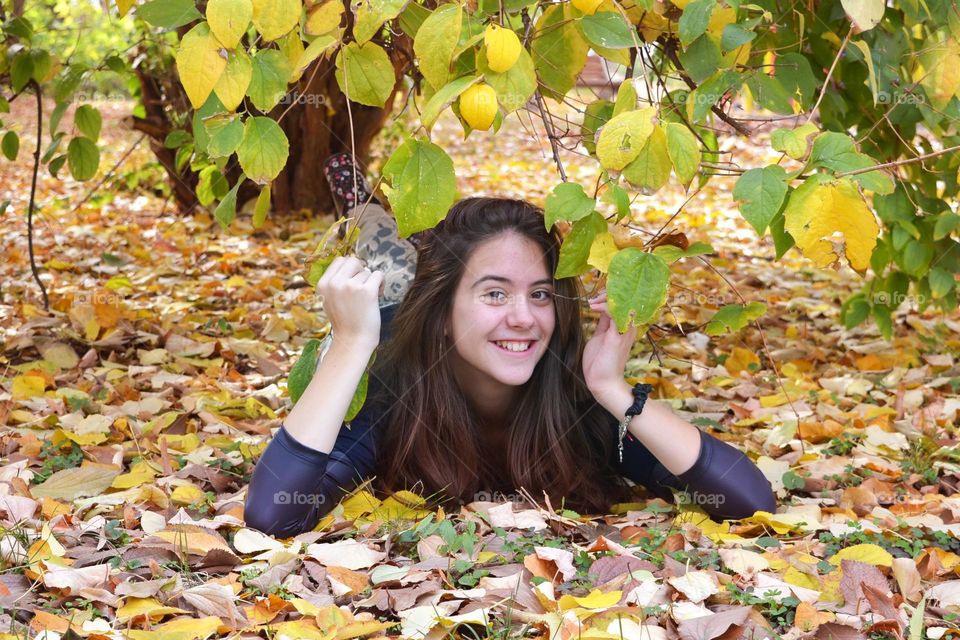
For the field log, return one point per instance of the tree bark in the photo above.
(314, 117)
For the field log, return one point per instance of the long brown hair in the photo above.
(559, 440)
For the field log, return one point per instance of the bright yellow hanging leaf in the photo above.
(200, 64)
(502, 48)
(819, 210)
(274, 18)
(602, 251)
(229, 20)
(868, 553)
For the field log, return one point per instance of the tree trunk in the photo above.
(314, 117)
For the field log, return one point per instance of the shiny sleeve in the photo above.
(293, 485)
(723, 481)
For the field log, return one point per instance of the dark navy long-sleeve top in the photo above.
(293, 485)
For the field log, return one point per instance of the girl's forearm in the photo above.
(316, 418)
(673, 440)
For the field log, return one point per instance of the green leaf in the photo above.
(10, 145)
(83, 157)
(650, 170)
(269, 78)
(567, 202)
(760, 194)
(734, 317)
(67, 82)
(707, 94)
(169, 14)
(671, 254)
(421, 185)
(88, 121)
(795, 74)
(684, 151)
(225, 132)
(947, 222)
(360, 395)
(735, 36)
(21, 70)
(882, 316)
(301, 373)
(917, 256)
(597, 114)
(609, 29)
(435, 42)
(770, 93)
(693, 23)
(516, 85)
(229, 20)
(793, 142)
(261, 207)
(575, 249)
(559, 50)
(264, 150)
(365, 73)
(854, 311)
(622, 139)
(782, 240)
(226, 211)
(637, 285)
(312, 52)
(442, 99)
(942, 282)
(837, 152)
(701, 59)
(371, 14)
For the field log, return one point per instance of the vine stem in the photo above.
(33, 194)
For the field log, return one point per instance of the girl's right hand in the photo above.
(350, 298)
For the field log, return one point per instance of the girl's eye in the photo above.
(497, 296)
(543, 294)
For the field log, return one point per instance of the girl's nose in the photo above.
(520, 314)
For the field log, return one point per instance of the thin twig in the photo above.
(826, 80)
(897, 163)
(33, 194)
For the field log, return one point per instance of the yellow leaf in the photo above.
(623, 137)
(235, 80)
(151, 607)
(28, 386)
(868, 553)
(740, 360)
(939, 71)
(82, 439)
(359, 504)
(274, 18)
(193, 539)
(779, 523)
(187, 494)
(808, 618)
(819, 209)
(200, 63)
(602, 251)
(60, 354)
(139, 473)
(179, 629)
(229, 20)
(361, 628)
(796, 577)
(124, 6)
(88, 480)
(292, 48)
(324, 18)
(595, 600)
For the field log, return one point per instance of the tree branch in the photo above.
(670, 50)
(33, 194)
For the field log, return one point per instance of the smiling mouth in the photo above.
(514, 346)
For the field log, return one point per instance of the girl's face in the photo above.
(503, 317)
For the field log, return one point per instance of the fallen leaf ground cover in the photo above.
(135, 409)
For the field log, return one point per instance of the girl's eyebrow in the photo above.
(509, 281)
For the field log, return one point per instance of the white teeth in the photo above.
(514, 346)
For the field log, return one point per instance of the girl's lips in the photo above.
(517, 354)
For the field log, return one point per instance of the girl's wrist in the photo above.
(616, 397)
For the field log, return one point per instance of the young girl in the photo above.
(482, 381)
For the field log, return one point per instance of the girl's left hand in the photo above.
(605, 354)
